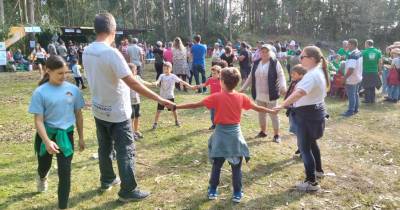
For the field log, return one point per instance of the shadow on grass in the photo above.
(110, 205)
(17, 198)
(199, 200)
(175, 139)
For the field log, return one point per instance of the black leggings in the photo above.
(79, 82)
(159, 69)
(64, 170)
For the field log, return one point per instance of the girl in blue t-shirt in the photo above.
(56, 105)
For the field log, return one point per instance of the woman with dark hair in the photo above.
(56, 105)
(245, 61)
(229, 56)
(309, 113)
(38, 55)
(159, 58)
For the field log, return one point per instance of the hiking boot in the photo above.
(237, 197)
(42, 184)
(261, 135)
(133, 196)
(212, 193)
(277, 139)
(117, 181)
(308, 186)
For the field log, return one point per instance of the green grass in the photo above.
(172, 163)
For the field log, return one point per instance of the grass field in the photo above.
(361, 155)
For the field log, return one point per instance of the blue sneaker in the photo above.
(237, 197)
(212, 193)
(348, 114)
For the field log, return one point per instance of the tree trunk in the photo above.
(164, 22)
(146, 16)
(134, 14)
(230, 20)
(31, 11)
(189, 16)
(2, 12)
(205, 19)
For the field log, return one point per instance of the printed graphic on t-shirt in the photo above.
(102, 109)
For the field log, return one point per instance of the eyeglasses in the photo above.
(304, 56)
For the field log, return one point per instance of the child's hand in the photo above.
(52, 147)
(195, 87)
(81, 145)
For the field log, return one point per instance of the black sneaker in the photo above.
(277, 139)
(297, 152)
(133, 196)
(212, 127)
(261, 135)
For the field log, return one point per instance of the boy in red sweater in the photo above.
(215, 87)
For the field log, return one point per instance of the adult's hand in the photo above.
(169, 104)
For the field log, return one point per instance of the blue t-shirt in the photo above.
(57, 104)
(199, 54)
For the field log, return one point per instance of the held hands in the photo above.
(52, 147)
(169, 104)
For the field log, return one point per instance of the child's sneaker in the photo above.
(308, 186)
(237, 197)
(212, 193)
(154, 126)
(139, 135)
(277, 139)
(177, 124)
(42, 184)
(261, 135)
(297, 152)
(212, 127)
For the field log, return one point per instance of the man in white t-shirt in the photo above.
(353, 77)
(136, 55)
(110, 81)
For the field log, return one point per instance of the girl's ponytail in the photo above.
(45, 79)
(326, 73)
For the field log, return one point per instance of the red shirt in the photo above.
(214, 84)
(228, 106)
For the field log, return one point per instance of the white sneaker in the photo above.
(319, 174)
(308, 186)
(42, 184)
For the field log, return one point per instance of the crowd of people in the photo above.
(115, 82)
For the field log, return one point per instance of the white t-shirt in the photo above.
(135, 54)
(262, 91)
(396, 62)
(105, 67)
(356, 64)
(76, 71)
(167, 85)
(135, 97)
(314, 84)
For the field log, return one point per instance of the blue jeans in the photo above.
(236, 174)
(199, 69)
(308, 131)
(370, 95)
(119, 136)
(212, 113)
(354, 99)
(385, 75)
(394, 92)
